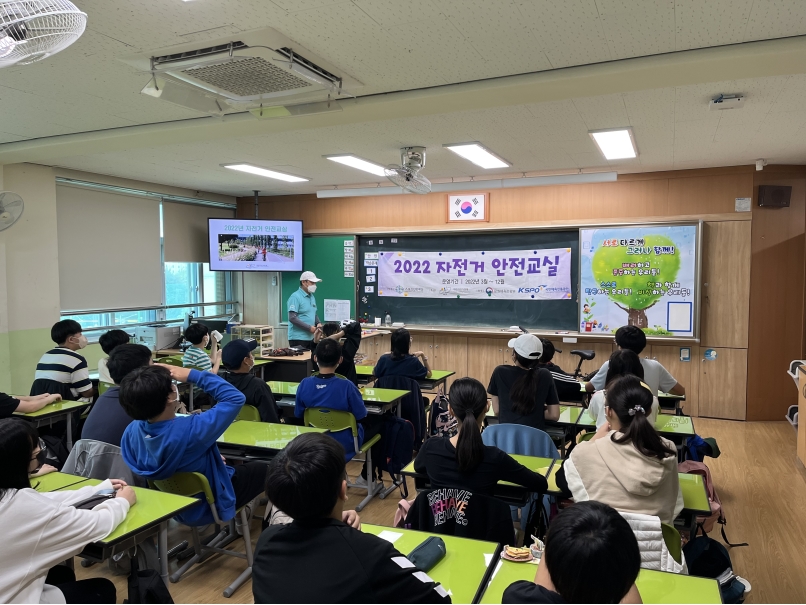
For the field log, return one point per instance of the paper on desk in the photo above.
(488, 556)
(390, 536)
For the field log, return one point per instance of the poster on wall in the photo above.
(543, 274)
(640, 275)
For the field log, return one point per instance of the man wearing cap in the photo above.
(238, 363)
(303, 318)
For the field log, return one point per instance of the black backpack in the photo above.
(707, 558)
(146, 586)
(397, 439)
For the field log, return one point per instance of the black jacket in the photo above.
(329, 562)
(107, 419)
(258, 394)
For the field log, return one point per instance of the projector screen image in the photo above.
(255, 245)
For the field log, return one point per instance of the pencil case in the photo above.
(428, 553)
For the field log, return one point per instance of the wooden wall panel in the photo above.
(776, 297)
(722, 392)
(716, 192)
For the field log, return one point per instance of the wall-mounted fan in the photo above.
(11, 207)
(32, 30)
(407, 175)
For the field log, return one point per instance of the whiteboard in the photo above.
(642, 275)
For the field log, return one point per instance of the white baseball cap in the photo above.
(527, 345)
(308, 276)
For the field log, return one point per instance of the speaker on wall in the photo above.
(774, 196)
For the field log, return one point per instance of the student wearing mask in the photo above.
(400, 362)
(238, 362)
(108, 341)
(524, 393)
(63, 370)
(198, 335)
(41, 530)
(626, 465)
(303, 316)
(464, 461)
(621, 363)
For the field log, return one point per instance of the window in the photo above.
(193, 283)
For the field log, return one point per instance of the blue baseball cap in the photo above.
(235, 351)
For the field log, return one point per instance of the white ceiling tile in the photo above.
(776, 19)
(602, 112)
(635, 29)
(701, 24)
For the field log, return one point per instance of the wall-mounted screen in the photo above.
(254, 245)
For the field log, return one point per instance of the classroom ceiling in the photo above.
(82, 109)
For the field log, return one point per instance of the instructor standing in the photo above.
(303, 318)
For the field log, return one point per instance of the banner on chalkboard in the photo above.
(504, 274)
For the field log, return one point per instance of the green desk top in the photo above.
(665, 423)
(263, 434)
(695, 498)
(654, 586)
(152, 508)
(262, 362)
(55, 481)
(280, 387)
(54, 409)
(436, 375)
(369, 395)
(661, 394)
(364, 370)
(462, 569)
(533, 463)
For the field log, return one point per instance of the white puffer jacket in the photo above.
(654, 553)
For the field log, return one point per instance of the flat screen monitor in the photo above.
(254, 245)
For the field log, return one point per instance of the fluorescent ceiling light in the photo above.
(272, 174)
(616, 143)
(354, 162)
(478, 154)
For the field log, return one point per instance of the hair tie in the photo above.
(637, 408)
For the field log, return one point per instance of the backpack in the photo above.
(717, 515)
(442, 423)
(146, 586)
(707, 558)
(397, 439)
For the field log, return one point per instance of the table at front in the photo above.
(437, 378)
(55, 481)
(668, 425)
(654, 586)
(289, 368)
(57, 411)
(149, 516)
(247, 440)
(377, 401)
(463, 570)
(665, 400)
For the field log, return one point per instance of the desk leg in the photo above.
(163, 552)
(190, 400)
(69, 432)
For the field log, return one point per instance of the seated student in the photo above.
(463, 460)
(524, 393)
(24, 404)
(108, 341)
(62, 370)
(238, 361)
(400, 362)
(568, 387)
(107, 420)
(655, 375)
(329, 391)
(621, 362)
(627, 464)
(591, 556)
(198, 335)
(307, 480)
(159, 444)
(40, 530)
(350, 331)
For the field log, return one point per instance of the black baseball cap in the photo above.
(548, 350)
(235, 351)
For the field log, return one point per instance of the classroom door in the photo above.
(450, 353)
(723, 385)
(669, 358)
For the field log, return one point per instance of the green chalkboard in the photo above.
(324, 255)
(532, 314)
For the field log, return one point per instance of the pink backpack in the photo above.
(706, 522)
(402, 511)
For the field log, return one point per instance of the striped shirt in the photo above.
(65, 366)
(197, 358)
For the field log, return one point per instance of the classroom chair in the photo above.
(338, 420)
(104, 386)
(195, 484)
(249, 413)
(673, 541)
(98, 460)
(412, 406)
(522, 440)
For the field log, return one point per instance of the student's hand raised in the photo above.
(177, 373)
(351, 518)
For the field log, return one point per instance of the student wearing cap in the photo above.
(524, 393)
(303, 317)
(567, 386)
(238, 362)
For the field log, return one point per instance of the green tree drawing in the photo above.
(605, 259)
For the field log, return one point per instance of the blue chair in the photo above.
(522, 440)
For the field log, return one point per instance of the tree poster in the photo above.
(639, 275)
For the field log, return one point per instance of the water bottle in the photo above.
(388, 320)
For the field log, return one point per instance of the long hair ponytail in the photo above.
(524, 392)
(468, 400)
(632, 401)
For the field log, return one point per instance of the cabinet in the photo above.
(483, 356)
(723, 384)
(450, 353)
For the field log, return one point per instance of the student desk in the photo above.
(438, 377)
(665, 424)
(377, 401)
(149, 516)
(654, 586)
(665, 400)
(55, 412)
(259, 440)
(464, 569)
(55, 481)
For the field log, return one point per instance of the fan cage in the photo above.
(33, 30)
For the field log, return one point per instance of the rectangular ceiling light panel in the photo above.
(478, 154)
(355, 162)
(615, 143)
(271, 174)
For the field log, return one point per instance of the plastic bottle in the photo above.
(388, 320)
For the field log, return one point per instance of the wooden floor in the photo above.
(763, 494)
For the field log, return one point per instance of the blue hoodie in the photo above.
(159, 450)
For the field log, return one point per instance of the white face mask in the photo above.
(82, 341)
(311, 288)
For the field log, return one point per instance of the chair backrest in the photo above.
(673, 542)
(189, 485)
(520, 439)
(249, 413)
(98, 460)
(332, 420)
(103, 387)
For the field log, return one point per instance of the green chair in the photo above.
(586, 437)
(338, 420)
(672, 539)
(103, 386)
(249, 413)
(195, 484)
